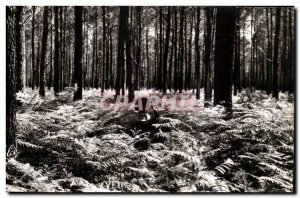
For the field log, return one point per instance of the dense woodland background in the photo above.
(226, 52)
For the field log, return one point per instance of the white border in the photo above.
(111, 2)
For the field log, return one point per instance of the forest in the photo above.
(150, 99)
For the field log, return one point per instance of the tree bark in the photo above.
(51, 51)
(224, 56)
(56, 53)
(32, 49)
(207, 61)
(129, 61)
(165, 58)
(181, 49)
(10, 82)
(43, 53)
(275, 91)
(120, 53)
(237, 66)
(103, 50)
(78, 52)
(197, 54)
(19, 48)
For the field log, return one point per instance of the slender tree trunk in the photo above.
(111, 59)
(269, 55)
(120, 53)
(43, 54)
(107, 66)
(207, 61)
(244, 58)
(175, 80)
(171, 60)
(291, 54)
(78, 52)
(148, 62)
(165, 58)
(275, 91)
(61, 48)
(37, 65)
(96, 53)
(190, 51)
(224, 56)
(284, 65)
(10, 82)
(51, 51)
(56, 53)
(160, 65)
(32, 48)
(94, 60)
(197, 54)
(129, 61)
(181, 49)
(103, 50)
(237, 66)
(19, 48)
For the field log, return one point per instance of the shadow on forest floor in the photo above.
(66, 146)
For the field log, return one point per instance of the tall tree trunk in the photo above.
(181, 49)
(19, 48)
(165, 58)
(129, 61)
(139, 68)
(51, 50)
(224, 56)
(207, 61)
(269, 55)
(291, 53)
(190, 51)
(175, 80)
(237, 66)
(96, 52)
(275, 91)
(107, 65)
(197, 54)
(244, 58)
(111, 59)
(32, 49)
(43, 54)
(148, 61)
(120, 53)
(10, 82)
(78, 52)
(38, 58)
(103, 50)
(93, 61)
(160, 63)
(56, 52)
(284, 65)
(171, 60)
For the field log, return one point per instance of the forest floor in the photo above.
(67, 146)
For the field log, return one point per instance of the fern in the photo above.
(225, 167)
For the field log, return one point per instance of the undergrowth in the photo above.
(66, 146)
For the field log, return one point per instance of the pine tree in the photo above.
(275, 91)
(19, 48)
(121, 40)
(56, 53)
(10, 81)
(78, 52)
(43, 54)
(225, 26)
(197, 54)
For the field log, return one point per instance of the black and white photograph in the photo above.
(150, 99)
